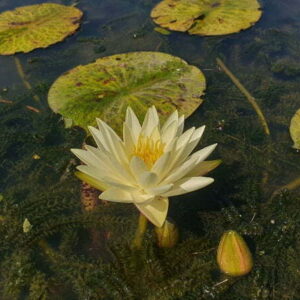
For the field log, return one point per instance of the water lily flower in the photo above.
(149, 165)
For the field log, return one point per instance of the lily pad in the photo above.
(36, 26)
(162, 30)
(207, 17)
(139, 79)
(295, 130)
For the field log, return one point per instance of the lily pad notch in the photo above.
(36, 26)
(105, 88)
(207, 17)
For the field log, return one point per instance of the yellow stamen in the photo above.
(149, 150)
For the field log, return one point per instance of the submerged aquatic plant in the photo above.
(149, 165)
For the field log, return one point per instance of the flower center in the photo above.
(149, 150)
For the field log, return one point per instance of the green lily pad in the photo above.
(36, 26)
(139, 79)
(207, 17)
(295, 129)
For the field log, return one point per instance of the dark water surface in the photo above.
(266, 58)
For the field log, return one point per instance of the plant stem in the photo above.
(31, 108)
(26, 83)
(294, 184)
(48, 251)
(140, 231)
(249, 97)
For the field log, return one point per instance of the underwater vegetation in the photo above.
(72, 254)
(53, 246)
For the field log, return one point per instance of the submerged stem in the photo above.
(249, 97)
(140, 231)
(26, 83)
(48, 250)
(294, 184)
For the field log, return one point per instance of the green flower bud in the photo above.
(167, 235)
(234, 257)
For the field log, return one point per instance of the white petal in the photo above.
(112, 166)
(142, 198)
(104, 128)
(95, 165)
(180, 171)
(204, 167)
(190, 146)
(137, 166)
(113, 142)
(177, 150)
(133, 124)
(91, 171)
(180, 126)
(150, 122)
(117, 195)
(171, 146)
(169, 133)
(129, 140)
(103, 176)
(204, 153)
(120, 195)
(156, 211)
(86, 157)
(117, 184)
(158, 190)
(181, 168)
(147, 179)
(189, 184)
(96, 183)
(161, 163)
(185, 138)
(155, 134)
(172, 118)
(98, 137)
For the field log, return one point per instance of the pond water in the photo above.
(69, 254)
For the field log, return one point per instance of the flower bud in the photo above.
(234, 257)
(167, 235)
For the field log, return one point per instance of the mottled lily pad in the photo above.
(295, 130)
(140, 79)
(207, 17)
(36, 26)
